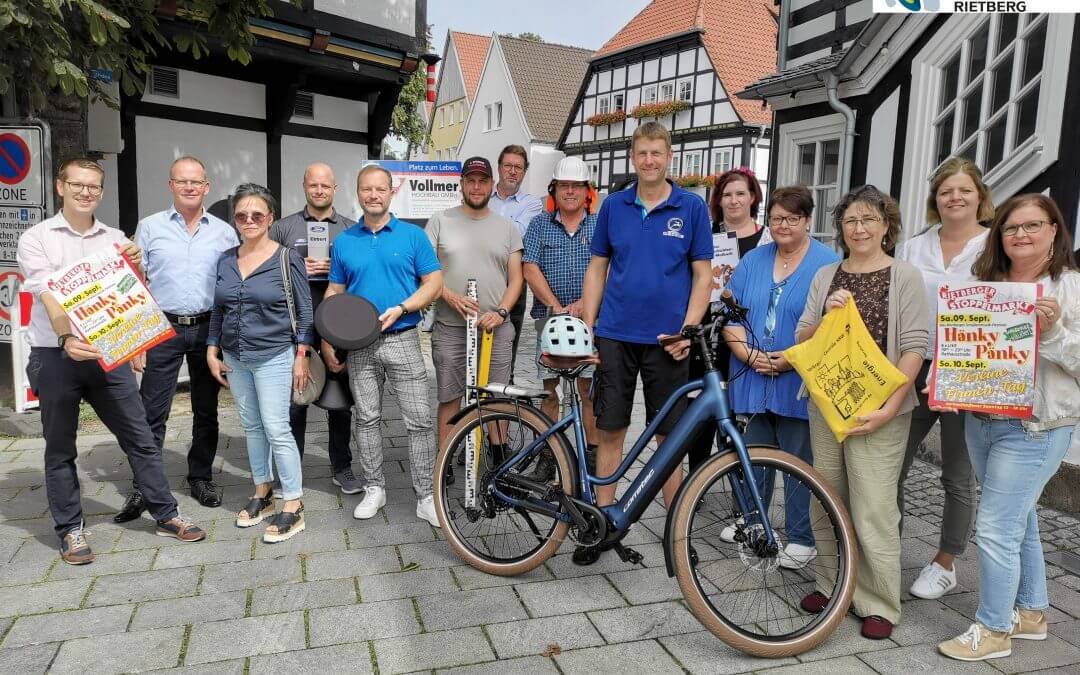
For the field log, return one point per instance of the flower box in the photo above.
(600, 119)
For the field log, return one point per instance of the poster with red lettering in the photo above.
(987, 347)
(110, 307)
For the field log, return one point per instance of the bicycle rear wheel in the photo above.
(739, 590)
(495, 536)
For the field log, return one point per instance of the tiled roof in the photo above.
(754, 89)
(739, 36)
(472, 51)
(546, 77)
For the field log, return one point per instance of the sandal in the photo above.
(256, 510)
(288, 524)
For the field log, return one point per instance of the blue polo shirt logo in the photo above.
(674, 228)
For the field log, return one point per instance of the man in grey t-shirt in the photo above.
(472, 242)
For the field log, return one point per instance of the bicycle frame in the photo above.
(710, 406)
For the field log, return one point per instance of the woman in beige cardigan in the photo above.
(892, 302)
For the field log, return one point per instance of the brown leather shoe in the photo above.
(74, 550)
(181, 529)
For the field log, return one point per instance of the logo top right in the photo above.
(916, 5)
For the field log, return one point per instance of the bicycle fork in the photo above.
(755, 501)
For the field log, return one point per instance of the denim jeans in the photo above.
(1013, 466)
(263, 392)
(792, 435)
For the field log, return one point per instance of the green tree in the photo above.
(50, 46)
(531, 37)
(406, 122)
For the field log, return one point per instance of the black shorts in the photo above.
(616, 379)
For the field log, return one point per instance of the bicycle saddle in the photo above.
(511, 390)
(568, 362)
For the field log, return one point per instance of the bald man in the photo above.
(320, 218)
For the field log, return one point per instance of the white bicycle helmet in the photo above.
(566, 335)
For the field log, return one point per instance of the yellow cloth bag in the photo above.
(844, 370)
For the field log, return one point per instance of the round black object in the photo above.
(347, 321)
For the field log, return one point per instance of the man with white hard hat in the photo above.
(556, 257)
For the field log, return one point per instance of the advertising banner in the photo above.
(422, 188)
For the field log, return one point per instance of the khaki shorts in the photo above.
(448, 355)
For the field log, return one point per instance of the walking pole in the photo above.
(472, 441)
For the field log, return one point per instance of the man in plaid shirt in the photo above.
(555, 259)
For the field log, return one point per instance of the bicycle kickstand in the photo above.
(629, 555)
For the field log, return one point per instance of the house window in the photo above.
(493, 116)
(603, 105)
(989, 100)
(686, 90)
(460, 112)
(993, 92)
(450, 116)
(441, 117)
(691, 163)
(648, 95)
(667, 91)
(809, 154)
(673, 168)
(594, 171)
(618, 102)
(721, 160)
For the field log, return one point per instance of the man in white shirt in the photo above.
(62, 369)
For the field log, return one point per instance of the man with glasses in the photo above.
(556, 257)
(62, 369)
(320, 218)
(511, 202)
(181, 246)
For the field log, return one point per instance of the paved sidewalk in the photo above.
(388, 596)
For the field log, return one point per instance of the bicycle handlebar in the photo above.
(730, 312)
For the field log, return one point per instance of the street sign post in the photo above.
(25, 199)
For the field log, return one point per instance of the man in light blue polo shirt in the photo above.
(181, 246)
(519, 207)
(650, 275)
(392, 264)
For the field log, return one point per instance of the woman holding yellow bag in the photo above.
(865, 466)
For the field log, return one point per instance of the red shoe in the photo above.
(815, 602)
(876, 628)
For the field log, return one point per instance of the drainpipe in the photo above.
(753, 146)
(831, 83)
(782, 36)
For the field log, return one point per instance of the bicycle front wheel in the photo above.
(495, 536)
(747, 592)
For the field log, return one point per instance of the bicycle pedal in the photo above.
(629, 555)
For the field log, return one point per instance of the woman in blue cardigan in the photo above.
(773, 281)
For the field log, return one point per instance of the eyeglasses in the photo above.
(94, 190)
(1034, 227)
(777, 221)
(513, 167)
(188, 183)
(852, 223)
(253, 218)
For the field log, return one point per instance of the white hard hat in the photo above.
(565, 335)
(571, 168)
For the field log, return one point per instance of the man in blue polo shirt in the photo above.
(649, 276)
(391, 263)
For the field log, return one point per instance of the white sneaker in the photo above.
(797, 556)
(425, 510)
(374, 499)
(728, 533)
(934, 581)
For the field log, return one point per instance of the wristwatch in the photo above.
(63, 338)
(502, 312)
(404, 309)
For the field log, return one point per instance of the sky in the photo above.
(579, 23)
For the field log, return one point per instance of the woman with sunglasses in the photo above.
(1014, 459)
(252, 350)
(865, 467)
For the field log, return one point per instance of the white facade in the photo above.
(497, 120)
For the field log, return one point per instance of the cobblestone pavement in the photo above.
(387, 595)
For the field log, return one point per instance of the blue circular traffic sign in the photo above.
(14, 159)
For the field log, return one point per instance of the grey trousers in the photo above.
(394, 361)
(957, 476)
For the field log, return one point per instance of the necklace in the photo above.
(787, 259)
